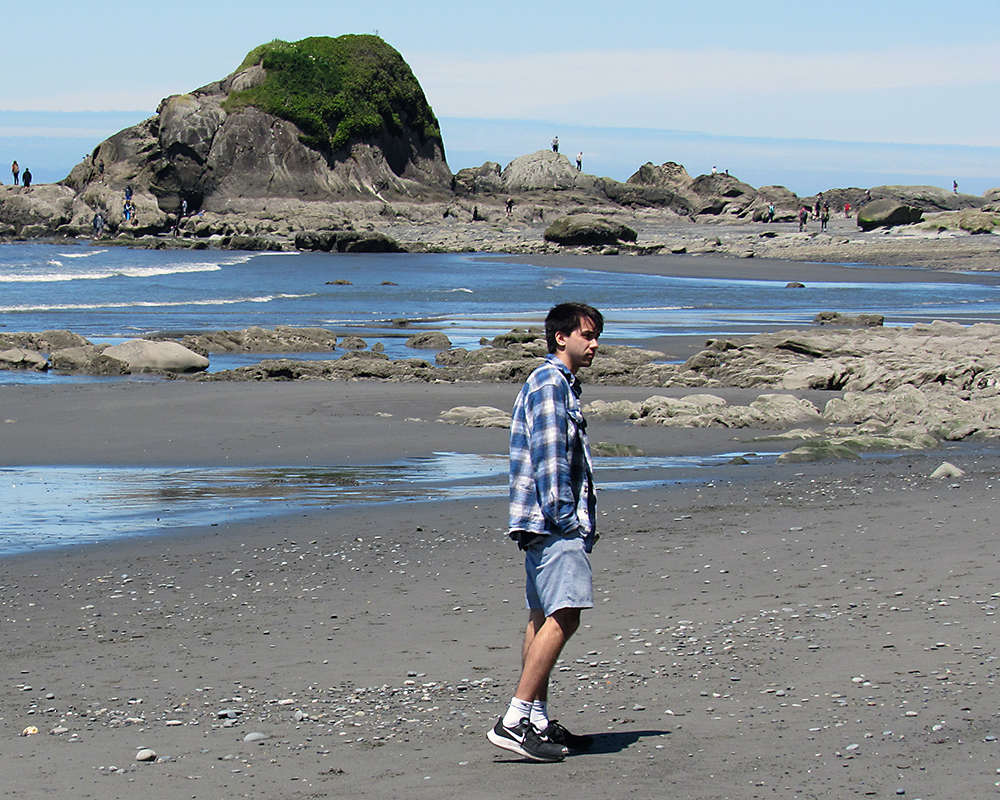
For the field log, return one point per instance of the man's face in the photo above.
(578, 349)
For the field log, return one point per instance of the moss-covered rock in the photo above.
(337, 90)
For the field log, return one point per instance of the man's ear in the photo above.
(561, 339)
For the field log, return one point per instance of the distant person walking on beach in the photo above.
(14, 170)
(26, 178)
(553, 519)
(824, 218)
(803, 218)
(555, 144)
(847, 210)
(98, 225)
(579, 161)
(770, 212)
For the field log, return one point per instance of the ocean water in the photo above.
(107, 294)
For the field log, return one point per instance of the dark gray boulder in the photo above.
(479, 180)
(588, 229)
(429, 340)
(670, 175)
(722, 194)
(887, 214)
(848, 321)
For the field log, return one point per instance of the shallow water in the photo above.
(48, 507)
(119, 293)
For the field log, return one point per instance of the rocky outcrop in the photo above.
(974, 221)
(347, 242)
(480, 180)
(542, 171)
(886, 214)
(926, 198)
(476, 417)
(849, 321)
(44, 342)
(39, 211)
(429, 340)
(144, 355)
(281, 339)
(204, 149)
(720, 194)
(588, 230)
(670, 175)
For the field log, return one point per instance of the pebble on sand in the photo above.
(146, 755)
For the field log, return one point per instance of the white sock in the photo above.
(516, 711)
(540, 714)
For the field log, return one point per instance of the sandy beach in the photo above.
(820, 630)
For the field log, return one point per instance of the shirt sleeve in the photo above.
(547, 422)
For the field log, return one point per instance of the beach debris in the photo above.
(476, 417)
(145, 755)
(948, 470)
(31, 730)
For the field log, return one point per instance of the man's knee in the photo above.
(568, 619)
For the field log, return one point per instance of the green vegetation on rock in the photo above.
(339, 90)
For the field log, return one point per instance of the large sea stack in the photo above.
(319, 119)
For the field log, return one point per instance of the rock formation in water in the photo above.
(318, 119)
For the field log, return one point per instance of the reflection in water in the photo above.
(60, 506)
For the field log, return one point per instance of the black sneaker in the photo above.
(569, 742)
(524, 740)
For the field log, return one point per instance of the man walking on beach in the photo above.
(552, 518)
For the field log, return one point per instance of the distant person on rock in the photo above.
(510, 205)
(770, 212)
(14, 170)
(954, 186)
(98, 225)
(803, 218)
(715, 170)
(579, 161)
(555, 144)
(26, 178)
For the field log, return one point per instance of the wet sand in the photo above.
(774, 631)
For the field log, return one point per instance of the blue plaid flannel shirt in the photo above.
(551, 473)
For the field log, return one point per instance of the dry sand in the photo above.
(799, 631)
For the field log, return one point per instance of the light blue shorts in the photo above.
(559, 574)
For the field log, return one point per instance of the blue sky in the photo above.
(807, 95)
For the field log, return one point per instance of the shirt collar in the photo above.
(573, 381)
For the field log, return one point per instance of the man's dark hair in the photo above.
(566, 318)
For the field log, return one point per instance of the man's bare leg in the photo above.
(544, 640)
